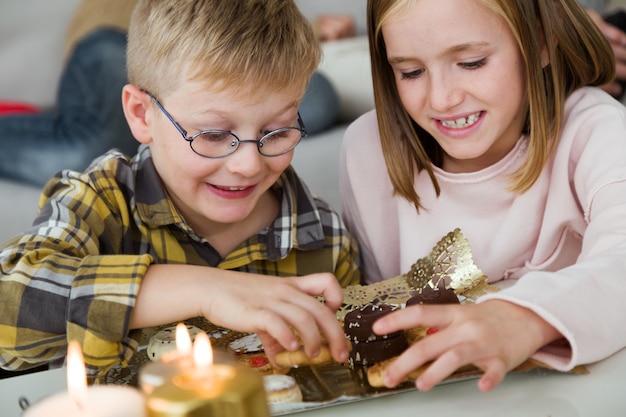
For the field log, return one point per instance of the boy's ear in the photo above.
(135, 103)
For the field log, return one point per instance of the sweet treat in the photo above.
(165, 341)
(293, 359)
(281, 389)
(247, 344)
(257, 361)
(429, 295)
(376, 372)
(416, 333)
(369, 348)
(249, 352)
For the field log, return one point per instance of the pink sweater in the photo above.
(562, 244)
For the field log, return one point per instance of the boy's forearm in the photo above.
(170, 293)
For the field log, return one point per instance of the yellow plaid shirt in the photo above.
(76, 273)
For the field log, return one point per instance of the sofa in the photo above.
(31, 49)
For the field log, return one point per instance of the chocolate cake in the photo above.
(429, 295)
(367, 347)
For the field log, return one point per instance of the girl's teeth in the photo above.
(235, 189)
(461, 122)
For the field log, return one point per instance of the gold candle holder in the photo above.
(214, 391)
(171, 364)
(155, 374)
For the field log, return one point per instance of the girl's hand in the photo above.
(279, 308)
(495, 336)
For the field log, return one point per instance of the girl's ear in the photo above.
(135, 103)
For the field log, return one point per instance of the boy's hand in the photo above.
(495, 336)
(275, 308)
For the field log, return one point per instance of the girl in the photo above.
(485, 122)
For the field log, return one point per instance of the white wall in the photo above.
(32, 37)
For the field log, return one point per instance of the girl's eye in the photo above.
(412, 74)
(474, 64)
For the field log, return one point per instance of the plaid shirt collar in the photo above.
(298, 225)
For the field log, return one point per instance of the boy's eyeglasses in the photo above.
(215, 143)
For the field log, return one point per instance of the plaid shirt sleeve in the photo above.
(76, 273)
(55, 278)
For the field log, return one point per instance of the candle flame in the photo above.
(76, 374)
(202, 351)
(183, 339)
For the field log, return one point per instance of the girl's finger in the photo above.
(435, 316)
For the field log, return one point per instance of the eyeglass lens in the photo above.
(222, 143)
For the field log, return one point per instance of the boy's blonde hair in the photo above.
(578, 54)
(251, 46)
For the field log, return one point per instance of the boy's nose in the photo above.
(246, 160)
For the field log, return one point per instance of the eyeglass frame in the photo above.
(259, 143)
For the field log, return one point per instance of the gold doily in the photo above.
(450, 261)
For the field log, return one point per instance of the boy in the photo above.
(205, 218)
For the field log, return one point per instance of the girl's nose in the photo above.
(444, 94)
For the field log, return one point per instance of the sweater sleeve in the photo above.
(67, 278)
(584, 301)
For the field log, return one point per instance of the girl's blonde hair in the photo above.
(254, 46)
(578, 54)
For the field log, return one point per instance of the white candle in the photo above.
(101, 401)
(94, 401)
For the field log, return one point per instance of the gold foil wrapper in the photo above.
(449, 261)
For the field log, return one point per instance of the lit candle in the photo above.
(210, 389)
(171, 363)
(83, 401)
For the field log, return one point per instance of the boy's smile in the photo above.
(228, 195)
(467, 88)
(232, 192)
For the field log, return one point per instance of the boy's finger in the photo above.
(325, 285)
